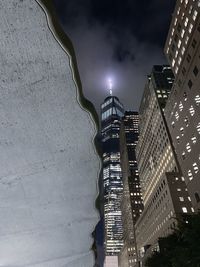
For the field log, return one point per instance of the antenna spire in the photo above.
(110, 85)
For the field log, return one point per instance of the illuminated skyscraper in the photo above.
(131, 203)
(111, 113)
(164, 190)
(182, 49)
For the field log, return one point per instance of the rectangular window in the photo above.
(183, 70)
(186, 22)
(179, 27)
(197, 100)
(182, 33)
(190, 84)
(179, 44)
(190, 28)
(194, 42)
(183, 50)
(194, 15)
(184, 209)
(195, 70)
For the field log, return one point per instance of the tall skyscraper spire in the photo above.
(111, 113)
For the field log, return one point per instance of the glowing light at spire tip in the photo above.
(110, 85)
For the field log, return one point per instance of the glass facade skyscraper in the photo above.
(111, 113)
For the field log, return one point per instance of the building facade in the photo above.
(131, 204)
(164, 190)
(182, 49)
(111, 113)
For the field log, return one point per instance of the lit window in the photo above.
(198, 128)
(179, 44)
(178, 11)
(192, 209)
(179, 60)
(175, 21)
(182, 131)
(197, 99)
(178, 139)
(183, 50)
(176, 53)
(180, 106)
(184, 209)
(176, 115)
(179, 189)
(195, 167)
(194, 15)
(182, 33)
(181, 199)
(176, 69)
(186, 120)
(185, 96)
(183, 155)
(194, 139)
(192, 111)
(186, 22)
(173, 62)
(188, 147)
(170, 41)
(190, 176)
(186, 39)
(190, 9)
(190, 28)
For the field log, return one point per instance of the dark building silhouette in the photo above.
(131, 203)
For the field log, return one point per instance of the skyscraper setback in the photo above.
(111, 113)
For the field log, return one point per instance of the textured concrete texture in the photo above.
(48, 164)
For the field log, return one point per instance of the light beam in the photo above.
(110, 86)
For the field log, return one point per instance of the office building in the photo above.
(111, 113)
(183, 108)
(164, 191)
(131, 204)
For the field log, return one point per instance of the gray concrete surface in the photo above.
(48, 165)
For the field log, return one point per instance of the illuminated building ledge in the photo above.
(47, 193)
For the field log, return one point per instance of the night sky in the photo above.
(116, 39)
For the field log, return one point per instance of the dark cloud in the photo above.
(117, 39)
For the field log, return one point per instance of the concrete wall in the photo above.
(48, 164)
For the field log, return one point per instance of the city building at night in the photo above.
(182, 112)
(164, 190)
(111, 113)
(131, 203)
